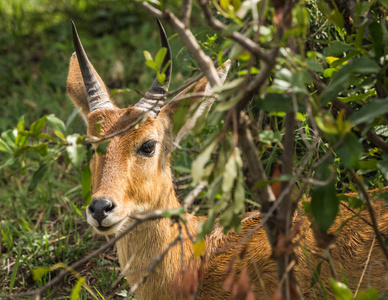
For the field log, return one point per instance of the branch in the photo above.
(371, 212)
(193, 194)
(157, 259)
(247, 43)
(186, 12)
(204, 61)
(285, 212)
(261, 195)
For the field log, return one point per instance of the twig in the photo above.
(204, 61)
(193, 194)
(186, 12)
(286, 210)
(366, 266)
(371, 212)
(247, 43)
(157, 259)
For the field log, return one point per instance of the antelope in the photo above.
(134, 177)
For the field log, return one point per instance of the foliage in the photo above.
(44, 172)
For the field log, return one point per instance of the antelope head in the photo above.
(134, 175)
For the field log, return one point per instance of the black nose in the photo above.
(99, 208)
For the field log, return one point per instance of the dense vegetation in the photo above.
(330, 62)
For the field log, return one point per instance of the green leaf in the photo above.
(86, 182)
(180, 115)
(198, 165)
(207, 226)
(38, 273)
(370, 111)
(370, 294)
(152, 65)
(327, 73)
(225, 4)
(4, 147)
(97, 125)
(340, 290)
(383, 167)
(37, 126)
(337, 48)
(384, 3)
(230, 220)
(41, 149)
(324, 202)
(276, 102)
(38, 176)
(178, 211)
(353, 202)
(160, 57)
(313, 65)
(161, 78)
(77, 288)
(9, 138)
(230, 174)
(101, 148)
(317, 272)
(332, 14)
(75, 152)
(350, 151)
(59, 134)
(377, 34)
(341, 79)
(298, 81)
(147, 55)
(21, 140)
(56, 124)
(181, 169)
(364, 65)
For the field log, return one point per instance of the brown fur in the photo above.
(138, 184)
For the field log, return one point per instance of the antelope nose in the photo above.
(99, 208)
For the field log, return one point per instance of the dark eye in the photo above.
(148, 148)
(89, 147)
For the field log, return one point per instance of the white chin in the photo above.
(113, 229)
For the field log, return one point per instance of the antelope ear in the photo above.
(201, 86)
(76, 88)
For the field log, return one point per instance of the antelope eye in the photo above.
(90, 146)
(148, 148)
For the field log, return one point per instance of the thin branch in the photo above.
(371, 212)
(186, 12)
(286, 210)
(365, 267)
(157, 259)
(261, 195)
(186, 203)
(247, 43)
(204, 61)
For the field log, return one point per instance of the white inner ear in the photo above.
(203, 107)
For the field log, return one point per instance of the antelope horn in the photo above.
(97, 95)
(154, 98)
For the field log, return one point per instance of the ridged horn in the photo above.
(154, 98)
(97, 95)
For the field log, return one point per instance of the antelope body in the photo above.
(134, 177)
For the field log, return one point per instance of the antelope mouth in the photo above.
(107, 230)
(103, 229)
